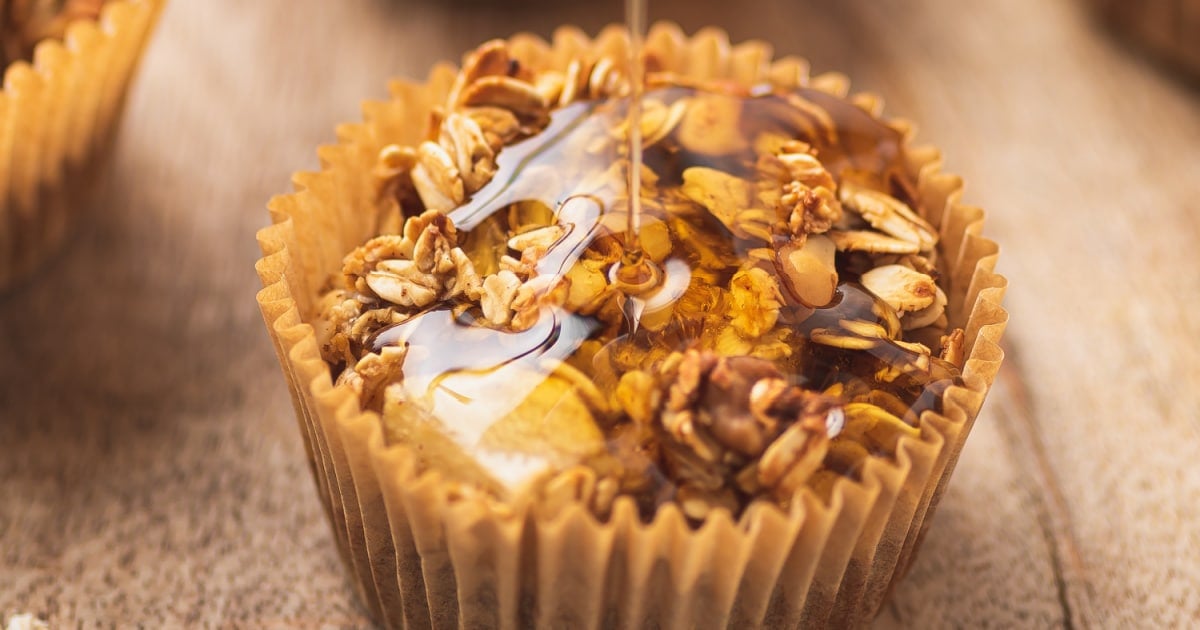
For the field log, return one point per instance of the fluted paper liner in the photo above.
(424, 556)
(57, 116)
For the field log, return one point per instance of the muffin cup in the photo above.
(57, 118)
(424, 554)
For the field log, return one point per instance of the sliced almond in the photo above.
(722, 194)
(710, 125)
(871, 242)
(885, 212)
(808, 271)
(902, 288)
(512, 94)
(438, 169)
(396, 285)
(489, 59)
(542, 237)
(928, 315)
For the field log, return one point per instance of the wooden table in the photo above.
(150, 468)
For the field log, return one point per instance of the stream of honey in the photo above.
(639, 277)
(635, 20)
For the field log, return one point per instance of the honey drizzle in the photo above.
(636, 275)
(635, 20)
(660, 317)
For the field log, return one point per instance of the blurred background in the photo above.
(150, 468)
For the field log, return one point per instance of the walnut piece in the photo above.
(756, 302)
(722, 414)
(807, 199)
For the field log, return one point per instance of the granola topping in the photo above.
(784, 340)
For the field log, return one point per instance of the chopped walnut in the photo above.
(348, 320)
(535, 294)
(371, 375)
(498, 292)
(339, 310)
(722, 413)
(812, 210)
(363, 259)
(952, 347)
(806, 197)
(755, 302)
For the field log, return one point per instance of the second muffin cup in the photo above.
(58, 113)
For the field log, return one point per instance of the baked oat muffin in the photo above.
(515, 420)
(67, 65)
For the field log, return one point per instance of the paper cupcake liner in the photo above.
(424, 555)
(57, 117)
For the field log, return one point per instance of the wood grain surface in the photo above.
(151, 472)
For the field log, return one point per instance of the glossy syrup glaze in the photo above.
(480, 382)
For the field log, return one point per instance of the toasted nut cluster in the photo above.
(790, 322)
(733, 425)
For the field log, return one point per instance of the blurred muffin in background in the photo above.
(24, 23)
(67, 68)
(1168, 29)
